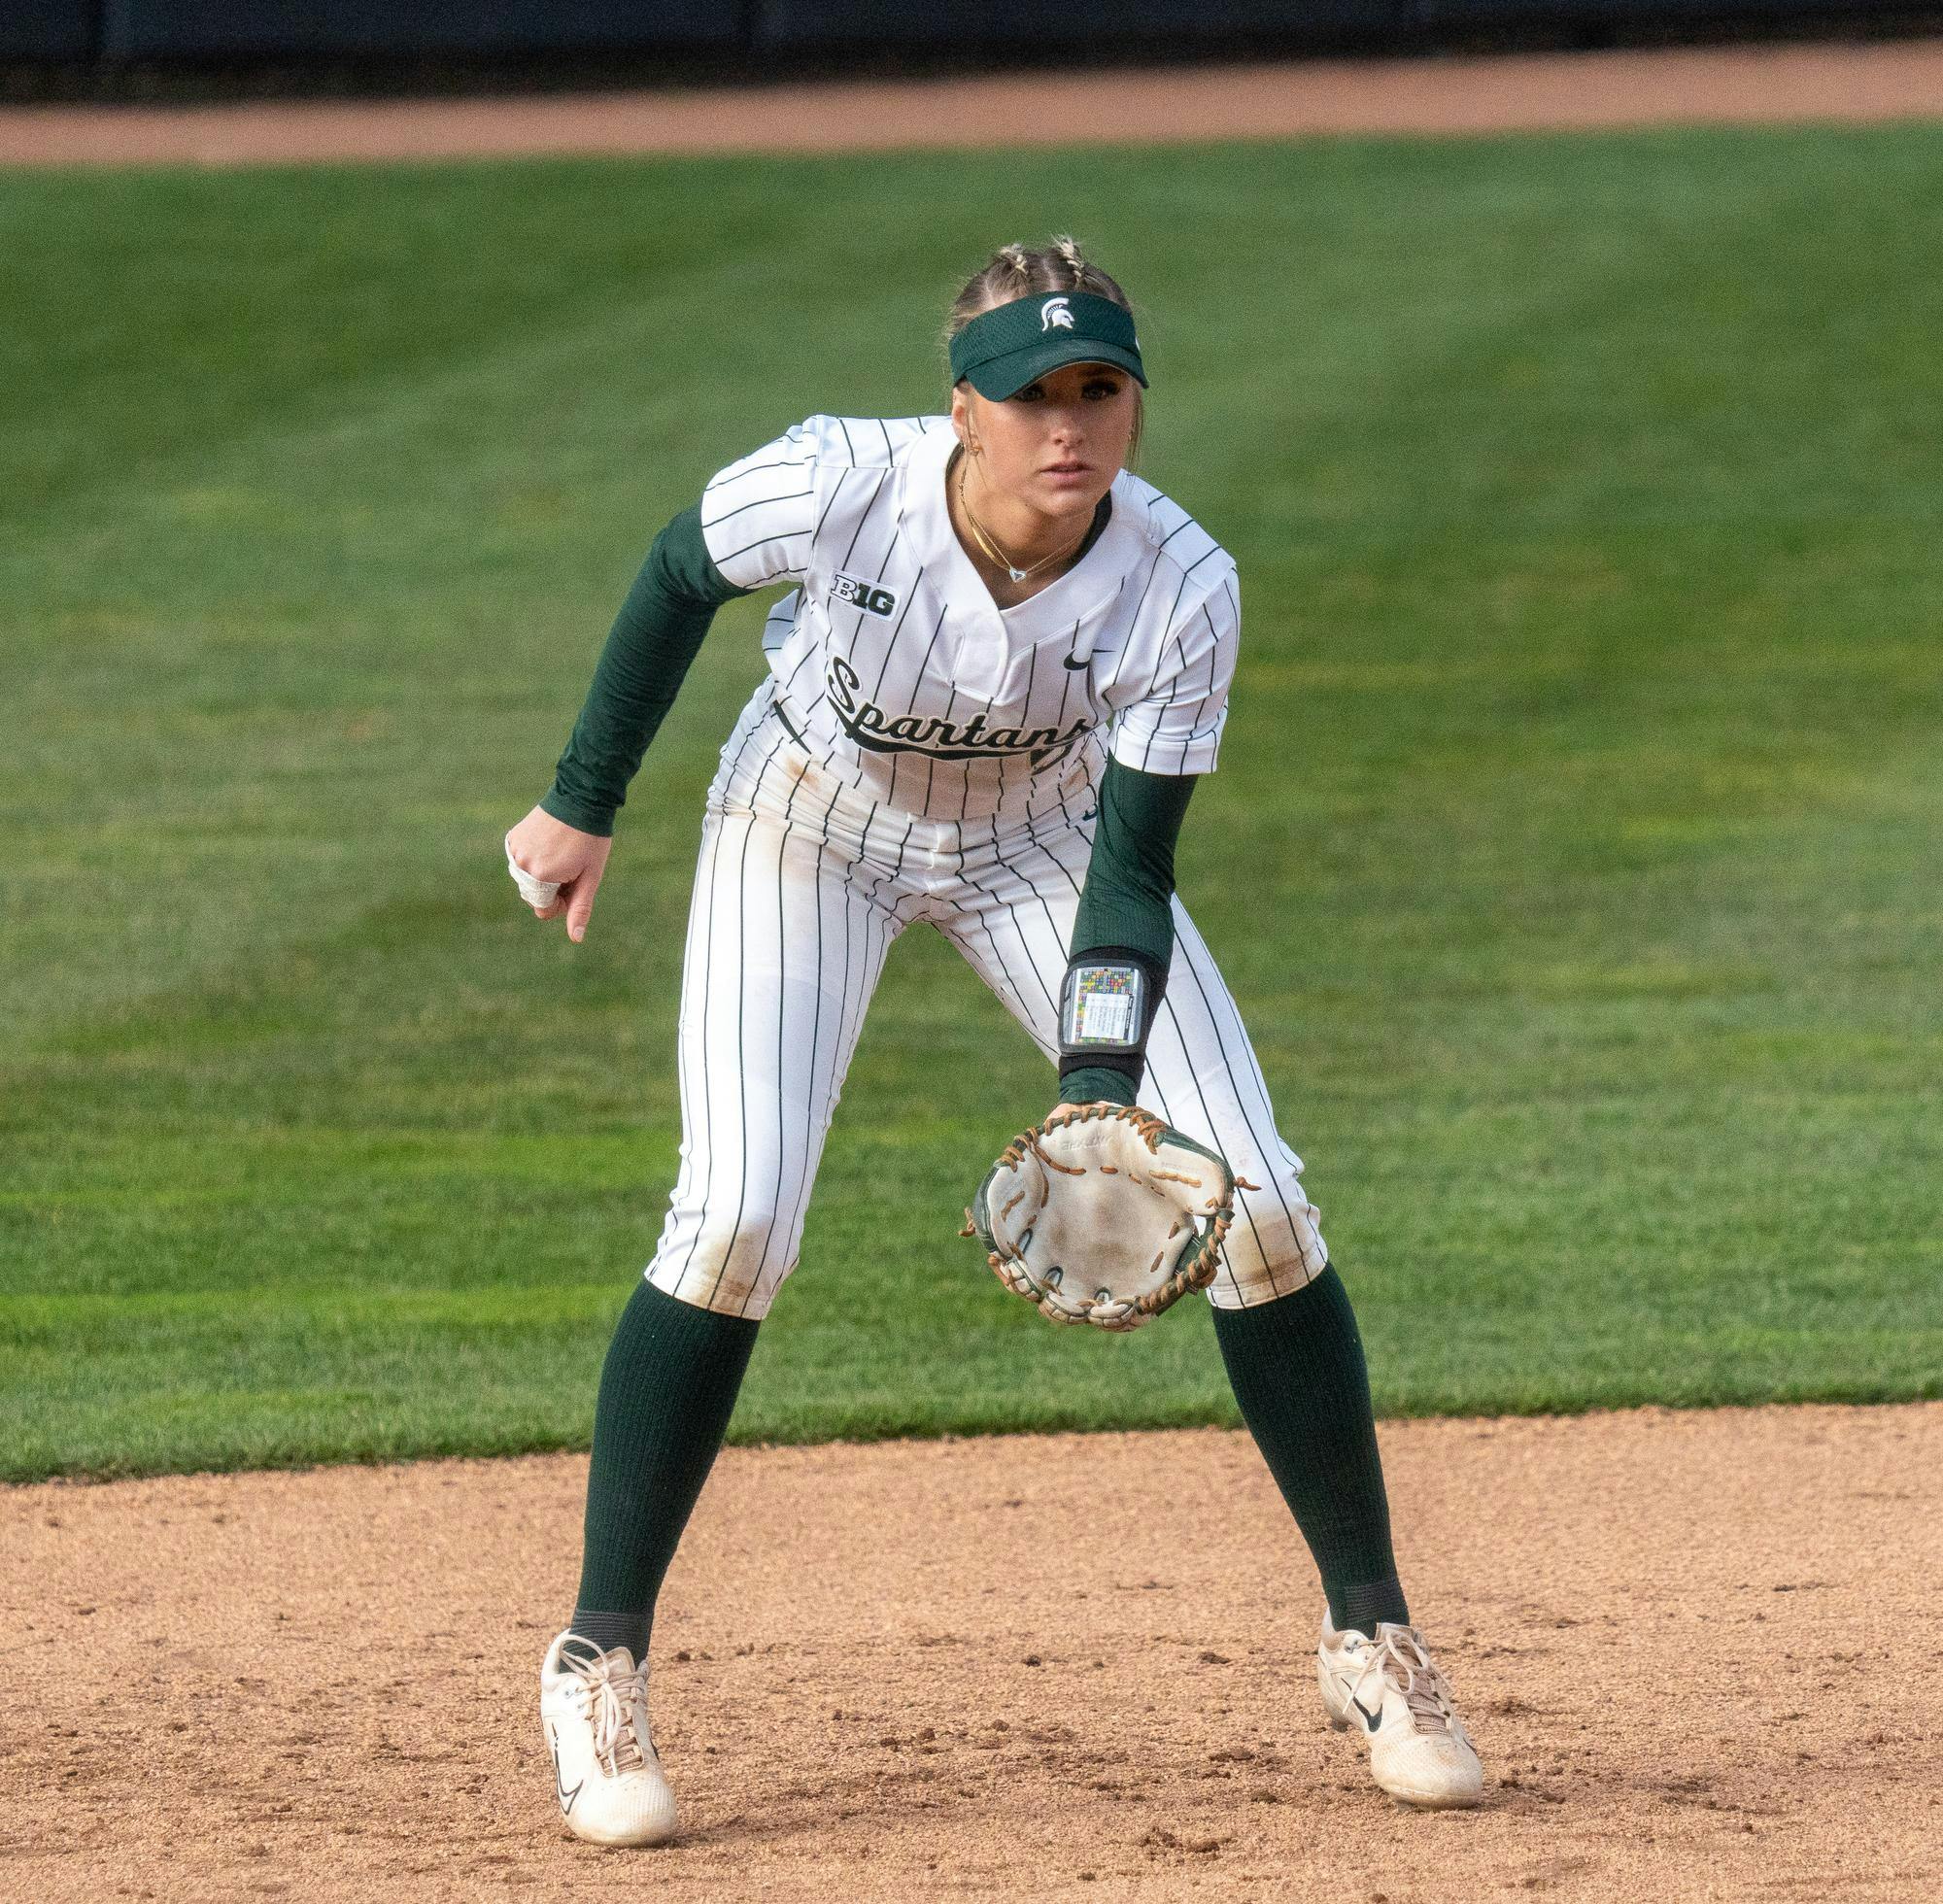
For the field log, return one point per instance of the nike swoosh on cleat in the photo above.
(1372, 1720)
(566, 1797)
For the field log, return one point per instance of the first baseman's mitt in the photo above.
(1103, 1214)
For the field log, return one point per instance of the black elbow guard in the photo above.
(1106, 1009)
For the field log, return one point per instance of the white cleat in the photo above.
(594, 1711)
(1388, 1690)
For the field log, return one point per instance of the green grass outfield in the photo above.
(1575, 855)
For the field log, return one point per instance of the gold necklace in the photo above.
(995, 554)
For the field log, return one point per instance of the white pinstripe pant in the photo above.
(801, 886)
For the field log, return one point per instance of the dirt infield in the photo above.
(1698, 1653)
(1475, 95)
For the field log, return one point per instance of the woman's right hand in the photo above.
(549, 849)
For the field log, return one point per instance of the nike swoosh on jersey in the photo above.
(1075, 661)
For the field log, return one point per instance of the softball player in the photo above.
(1001, 662)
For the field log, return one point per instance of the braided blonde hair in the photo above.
(1016, 271)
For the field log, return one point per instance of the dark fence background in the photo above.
(110, 33)
(50, 29)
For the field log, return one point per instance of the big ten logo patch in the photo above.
(866, 595)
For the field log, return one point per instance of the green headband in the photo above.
(1003, 348)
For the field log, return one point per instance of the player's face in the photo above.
(1056, 445)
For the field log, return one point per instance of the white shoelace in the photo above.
(611, 1696)
(1399, 1656)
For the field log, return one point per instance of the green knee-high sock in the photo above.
(1303, 1389)
(666, 1391)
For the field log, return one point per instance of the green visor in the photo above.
(1001, 351)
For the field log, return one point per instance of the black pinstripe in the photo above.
(708, 1152)
(810, 1136)
(725, 477)
(707, 976)
(741, 1087)
(1191, 945)
(790, 535)
(782, 1000)
(835, 489)
(760, 502)
(1160, 661)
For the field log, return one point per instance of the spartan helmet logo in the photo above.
(1054, 315)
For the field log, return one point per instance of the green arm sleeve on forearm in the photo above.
(655, 637)
(1129, 889)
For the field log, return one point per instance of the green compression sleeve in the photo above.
(657, 633)
(1127, 897)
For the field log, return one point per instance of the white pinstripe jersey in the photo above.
(893, 667)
